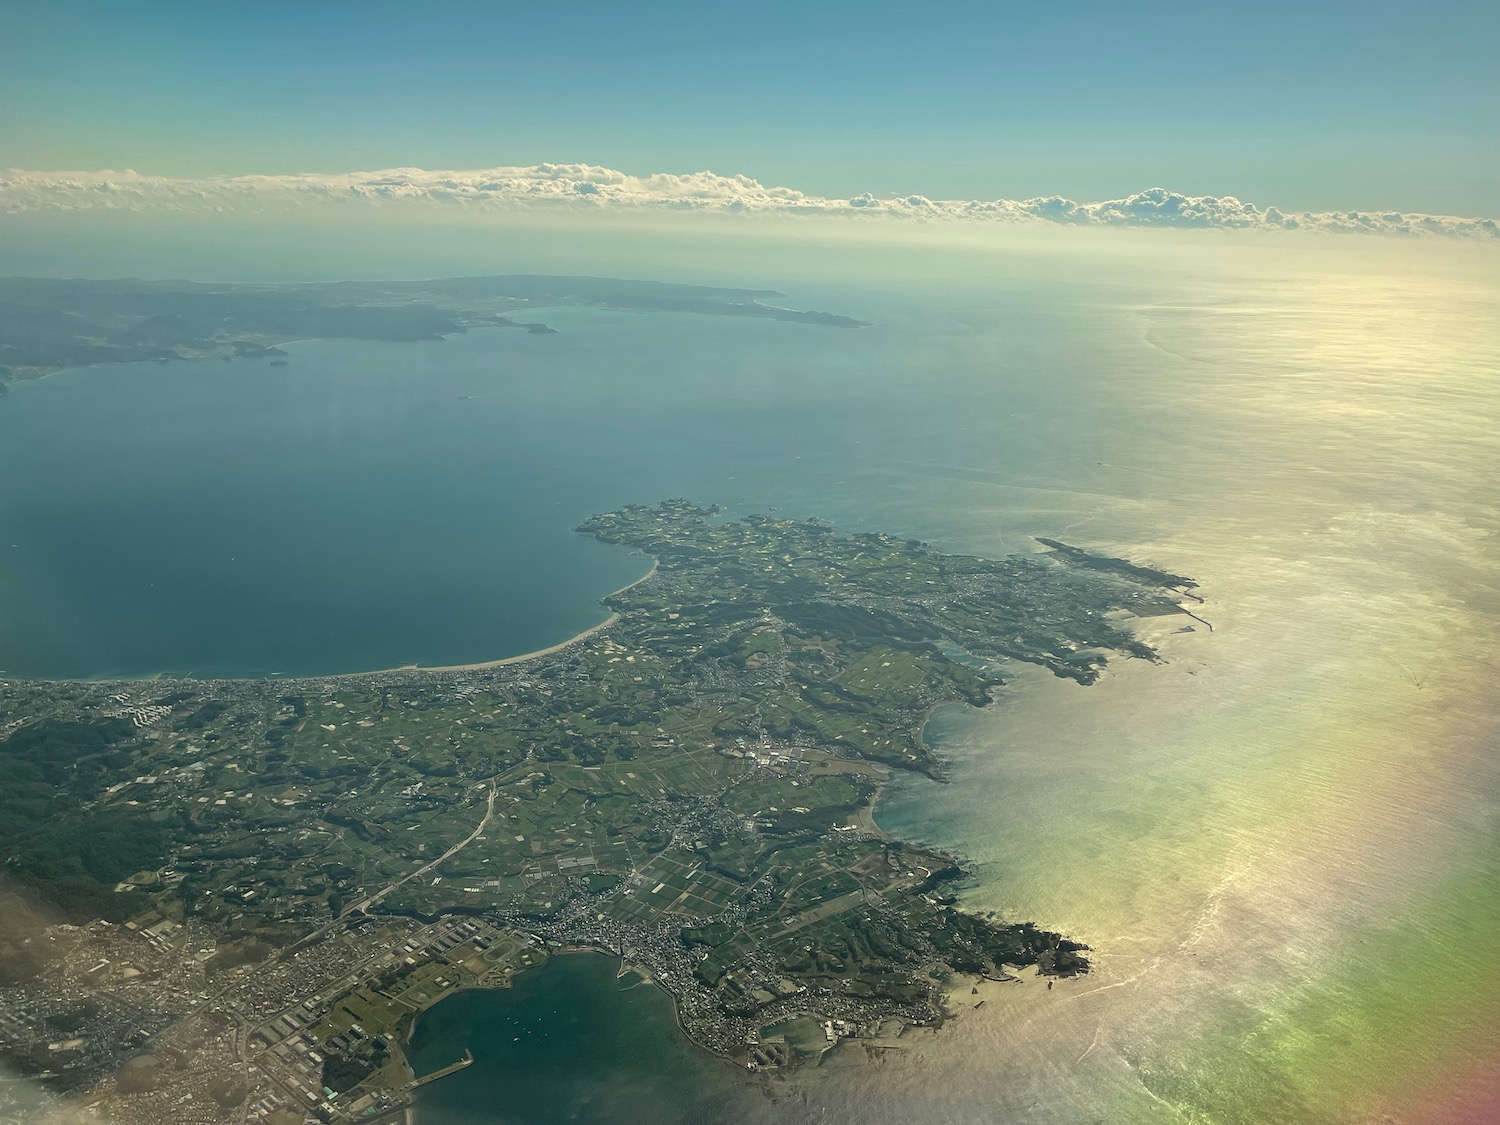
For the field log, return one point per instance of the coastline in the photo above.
(713, 1028)
(623, 964)
(522, 658)
(477, 666)
(38, 376)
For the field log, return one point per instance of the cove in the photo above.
(568, 1042)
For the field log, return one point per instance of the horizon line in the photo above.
(587, 187)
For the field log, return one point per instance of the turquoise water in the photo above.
(1282, 842)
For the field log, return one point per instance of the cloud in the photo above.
(586, 186)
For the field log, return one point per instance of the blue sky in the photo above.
(1316, 105)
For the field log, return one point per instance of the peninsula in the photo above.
(235, 896)
(48, 324)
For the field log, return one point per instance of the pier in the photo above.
(467, 1060)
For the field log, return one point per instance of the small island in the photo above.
(248, 890)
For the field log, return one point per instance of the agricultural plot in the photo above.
(690, 782)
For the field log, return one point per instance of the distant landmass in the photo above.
(49, 324)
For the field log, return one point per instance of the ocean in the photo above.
(1282, 841)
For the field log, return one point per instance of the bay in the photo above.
(569, 1042)
(1281, 841)
(372, 505)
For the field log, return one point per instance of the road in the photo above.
(365, 904)
(244, 1025)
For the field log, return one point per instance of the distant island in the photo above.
(246, 891)
(48, 324)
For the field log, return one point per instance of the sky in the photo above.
(1314, 105)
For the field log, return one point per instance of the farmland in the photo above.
(689, 788)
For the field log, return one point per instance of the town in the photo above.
(230, 900)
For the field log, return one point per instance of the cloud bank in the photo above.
(584, 186)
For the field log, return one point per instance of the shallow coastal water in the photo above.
(1282, 842)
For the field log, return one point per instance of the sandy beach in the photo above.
(523, 657)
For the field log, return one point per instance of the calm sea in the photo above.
(1282, 842)
(570, 1043)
